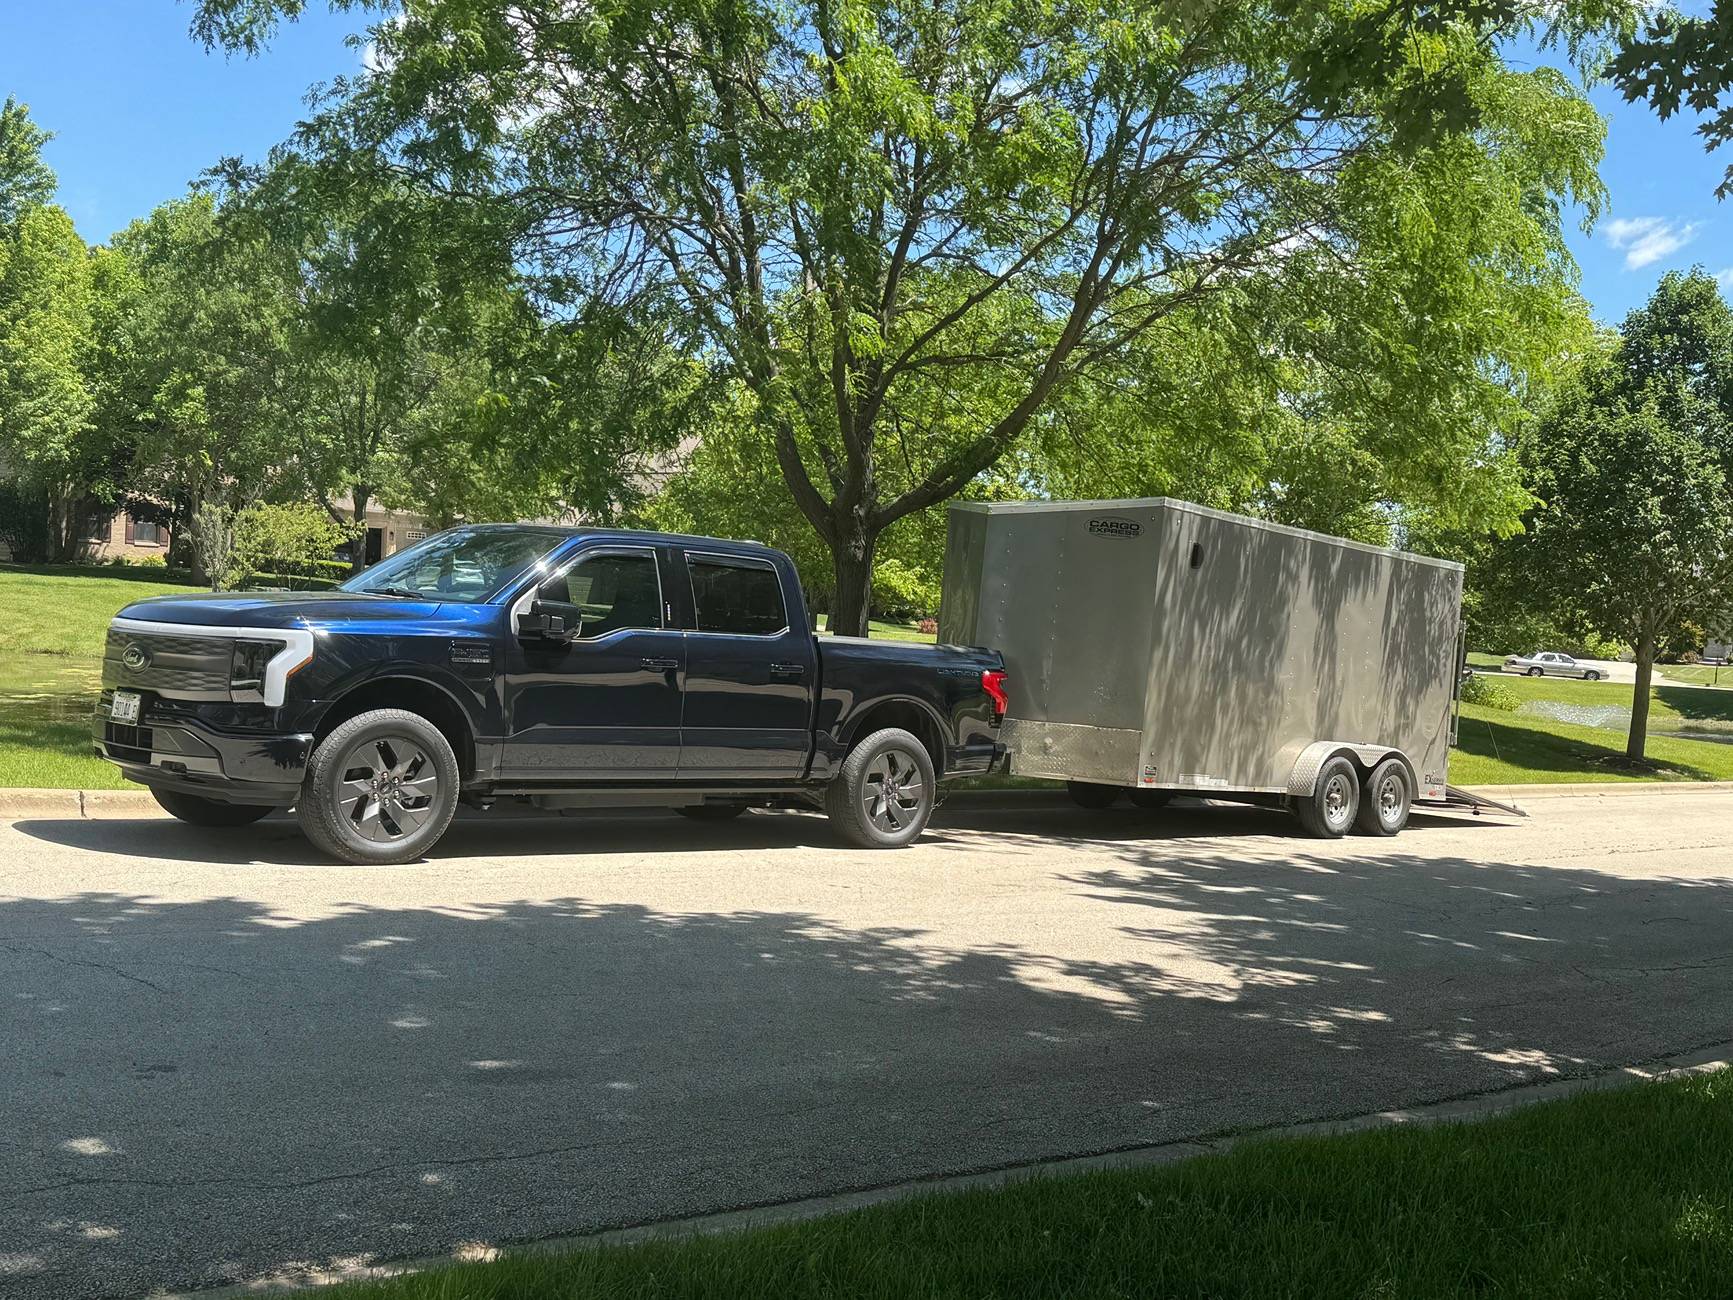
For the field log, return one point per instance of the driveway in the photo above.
(225, 1058)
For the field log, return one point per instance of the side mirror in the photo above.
(548, 620)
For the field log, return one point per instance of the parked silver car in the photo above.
(1549, 664)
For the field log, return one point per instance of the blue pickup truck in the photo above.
(570, 667)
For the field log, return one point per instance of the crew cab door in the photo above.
(606, 706)
(750, 672)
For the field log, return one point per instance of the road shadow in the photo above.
(509, 830)
(205, 1090)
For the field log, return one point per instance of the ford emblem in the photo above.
(136, 657)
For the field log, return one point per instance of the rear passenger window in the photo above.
(744, 598)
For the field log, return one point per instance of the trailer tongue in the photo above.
(1164, 648)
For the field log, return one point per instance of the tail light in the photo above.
(993, 682)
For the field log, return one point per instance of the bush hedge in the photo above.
(1489, 692)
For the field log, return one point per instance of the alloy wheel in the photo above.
(388, 788)
(892, 791)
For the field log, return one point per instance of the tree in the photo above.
(1684, 60)
(909, 233)
(45, 339)
(1634, 474)
(207, 340)
(25, 179)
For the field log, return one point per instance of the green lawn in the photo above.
(1699, 674)
(888, 631)
(52, 625)
(1626, 1194)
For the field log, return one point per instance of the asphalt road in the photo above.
(223, 1058)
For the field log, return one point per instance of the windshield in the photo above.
(460, 564)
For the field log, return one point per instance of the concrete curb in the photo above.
(1701, 1060)
(20, 804)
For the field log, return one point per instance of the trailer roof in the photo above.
(1191, 507)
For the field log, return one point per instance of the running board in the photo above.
(1455, 796)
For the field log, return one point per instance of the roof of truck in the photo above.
(626, 535)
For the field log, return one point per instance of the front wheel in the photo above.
(196, 810)
(1535, 672)
(1591, 676)
(380, 789)
(884, 794)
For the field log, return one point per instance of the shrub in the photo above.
(929, 626)
(1490, 693)
(285, 539)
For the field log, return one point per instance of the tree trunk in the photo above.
(359, 496)
(1639, 737)
(852, 563)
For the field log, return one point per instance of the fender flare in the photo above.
(1303, 779)
(850, 731)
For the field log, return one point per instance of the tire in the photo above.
(196, 810)
(1535, 672)
(386, 751)
(1150, 800)
(1330, 809)
(1591, 676)
(1087, 794)
(711, 812)
(857, 800)
(1386, 799)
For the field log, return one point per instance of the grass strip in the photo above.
(1622, 1193)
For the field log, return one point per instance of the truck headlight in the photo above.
(247, 667)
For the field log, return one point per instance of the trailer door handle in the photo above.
(789, 672)
(660, 665)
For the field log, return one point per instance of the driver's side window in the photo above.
(611, 591)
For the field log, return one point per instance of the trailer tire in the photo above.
(1386, 799)
(1330, 809)
(1089, 794)
(870, 819)
(1150, 800)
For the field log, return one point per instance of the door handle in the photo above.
(660, 665)
(793, 672)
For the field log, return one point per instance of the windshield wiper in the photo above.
(395, 591)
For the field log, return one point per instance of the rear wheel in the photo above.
(1330, 809)
(711, 812)
(196, 810)
(1087, 794)
(1150, 800)
(1535, 672)
(380, 789)
(1386, 800)
(884, 794)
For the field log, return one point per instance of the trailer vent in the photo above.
(1197, 555)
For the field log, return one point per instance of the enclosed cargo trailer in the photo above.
(1161, 647)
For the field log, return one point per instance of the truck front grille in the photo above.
(185, 667)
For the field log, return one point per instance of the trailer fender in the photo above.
(1303, 780)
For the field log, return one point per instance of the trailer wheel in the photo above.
(1386, 800)
(1150, 800)
(1330, 809)
(883, 796)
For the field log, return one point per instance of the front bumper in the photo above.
(185, 753)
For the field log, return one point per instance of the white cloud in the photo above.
(1725, 279)
(1648, 239)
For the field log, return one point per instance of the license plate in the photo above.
(123, 707)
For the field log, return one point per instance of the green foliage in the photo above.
(1683, 60)
(932, 243)
(1490, 693)
(25, 179)
(1634, 470)
(285, 539)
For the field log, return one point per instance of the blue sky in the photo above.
(139, 110)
